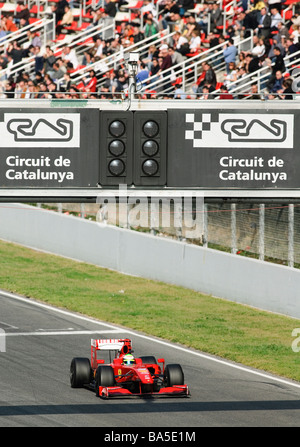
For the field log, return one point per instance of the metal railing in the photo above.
(47, 26)
(75, 41)
(188, 69)
(260, 76)
(110, 62)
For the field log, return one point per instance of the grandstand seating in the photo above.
(81, 34)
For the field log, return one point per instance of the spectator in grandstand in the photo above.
(23, 14)
(177, 58)
(150, 28)
(241, 82)
(59, 9)
(264, 23)
(241, 59)
(287, 91)
(152, 53)
(275, 19)
(170, 6)
(33, 39)
(148, 8)
(66, 84)
(231, 76)
(120, 82)
(291, 48)
(277, 61)
(66, 20)
(176, 23)
(49, 59)
(274, 44)
(259, 47)
(43, 93)
(164, 54)
(229, 53)
(88, 83)
(224, 94)
(166, 63)
(20, 89)
(153, 72)
(143, 73)
(15, 50)
(179, 92)
(274, 4)
(9, 89)
(195, 42)
(295, 34)
(57, 72)
(246, 23)
(69, 55)
(3, 34)
(8, 25)
(252, 63)
(185, 5)
(96, 16)
(181, 44)
(206, 93)
(256, 5)
(283, 32)
(254, 92)
(38, 59)
(110, 9)
(207, 77)
(276, 85)
(137, 36)
(216, 17)
(98, 47)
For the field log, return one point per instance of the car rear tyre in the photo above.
(80, 372)
(173, 375)
(104, 377)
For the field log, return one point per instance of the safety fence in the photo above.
(268, 232)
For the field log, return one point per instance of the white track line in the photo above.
(39, 333)
(155, 340)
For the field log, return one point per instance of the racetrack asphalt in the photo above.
(38, 343)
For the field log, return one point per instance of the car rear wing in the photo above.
(121, 345)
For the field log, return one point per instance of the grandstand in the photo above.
(68, 49)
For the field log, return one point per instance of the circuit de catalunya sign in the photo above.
(213, 148)
(51, 148)
(234, 148)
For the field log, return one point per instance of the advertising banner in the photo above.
(233, 148)
(51, 148)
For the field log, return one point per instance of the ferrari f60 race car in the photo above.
(125, 375)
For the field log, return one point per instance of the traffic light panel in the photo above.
(116, 144)
(150, 148)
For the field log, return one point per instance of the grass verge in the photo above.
(240, 333)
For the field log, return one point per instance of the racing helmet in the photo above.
(128, 359)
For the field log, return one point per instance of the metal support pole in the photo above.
(205, 226)
(233, 229)
(82, 210)
(291, 236)
(261, 232)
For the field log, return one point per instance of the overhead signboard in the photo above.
(233, 149)
(177, 148)
(51, 148)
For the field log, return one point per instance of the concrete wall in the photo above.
(256, 283)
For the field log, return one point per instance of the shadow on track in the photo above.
(107, 407)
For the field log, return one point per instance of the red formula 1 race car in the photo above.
(125, 375)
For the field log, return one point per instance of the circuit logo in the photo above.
(40, 130)
(249, 130)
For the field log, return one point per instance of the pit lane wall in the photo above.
(260, 284)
